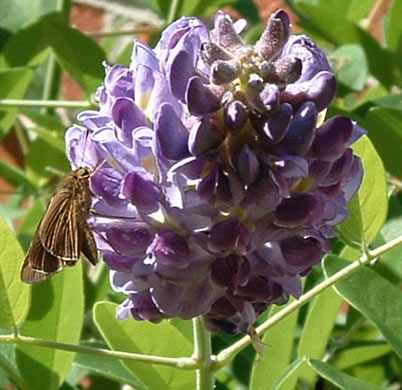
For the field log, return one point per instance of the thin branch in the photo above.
(226, 355)
(203, 355)
(184, 363)
(46, 103)
(135, 31)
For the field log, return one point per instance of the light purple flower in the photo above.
(219, 188)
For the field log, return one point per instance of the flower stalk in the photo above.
(203, 355)
(45, 103)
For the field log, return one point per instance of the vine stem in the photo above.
(181, 362)
(226, 355)
(174, 5)
(203, 355)
(45, 103)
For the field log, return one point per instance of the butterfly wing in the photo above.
(39, 264)
(59, 230)
(88, 247)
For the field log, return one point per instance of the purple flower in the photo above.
(218, 186)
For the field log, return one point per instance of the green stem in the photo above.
(182, 362)
(106, 34)
(174, 6)
(203, 355)
(53, 73)
(226, 355)
(45, 103)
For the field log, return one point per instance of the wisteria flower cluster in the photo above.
(219, 185)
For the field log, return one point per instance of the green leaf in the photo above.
(385, 130)
(359, 10)
(13, 85)
(368, 209)
(16, 13)
(30, 223)
(81, 56)
(317, 330)
(249, 9)
(338, 378)
(381, 303)
(357, 355)
(43, 155)
(393, 30)
(351, 66)
(279, 340)
(51, 137)
(57, 314)
(8, 365)
(14, 295)
(16, 177)
(45, 121)
(34, 41)
(288, 379)
(338, 30)
(144, 337)
(109, 368)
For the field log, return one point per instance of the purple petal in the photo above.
(301, 132)
(128, 238)
(205, 136)
(143, 55)
(171, 134)
(171, 249)
(332, 136)
(200, 99)
(127, 116)
(300, 209)
(141, 191)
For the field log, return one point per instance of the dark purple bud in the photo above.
(206, 188)
(141, 191)
(262, 196)
(172, 135)
(171, 249)
(288, 70)
(205, 136)
(229, 189)
(210, 52)
(248, 165)
(332, 136)
(303, 253)
(223, 72)
(259, 288)
(228, 236)
(200, 99)
(181, 70)
(231, 271)
(129, 239)
(235, 115)
(313, 58)
(225, 34)
(262, 97)
(319, 170)
(223, 307)
(301, 209)
(321, 89)
(144, 308)
(118, 262)
(127, 116)
(354, 180)
(301, 132)
(275, 35)
(277, 125)
(340, 169)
